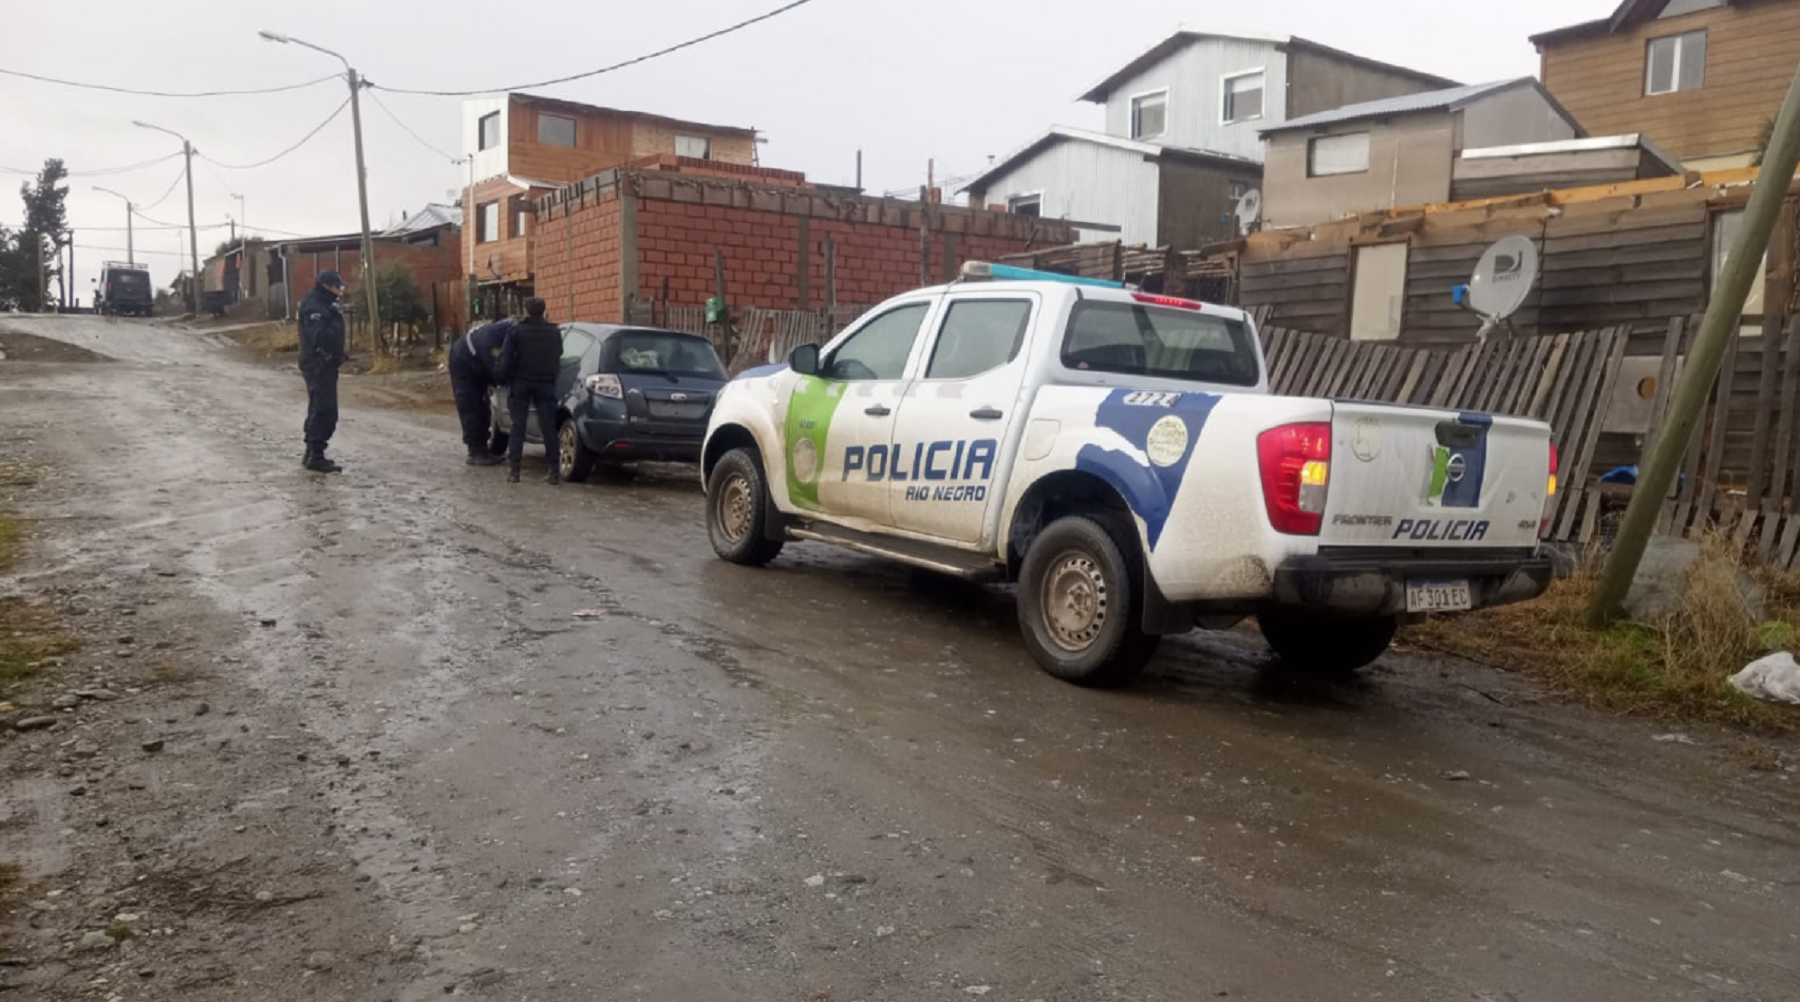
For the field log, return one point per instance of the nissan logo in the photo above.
(1456, 468)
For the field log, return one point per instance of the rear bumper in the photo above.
(622, 440)
(1360, 582)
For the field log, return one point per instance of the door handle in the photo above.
(985, 414)
(877, 411)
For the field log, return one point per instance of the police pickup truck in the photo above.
(1119, 456)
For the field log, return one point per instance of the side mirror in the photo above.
(804, 359)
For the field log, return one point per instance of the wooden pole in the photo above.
(1717, 331)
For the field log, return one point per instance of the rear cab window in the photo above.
(1160, 342)
(665, 352)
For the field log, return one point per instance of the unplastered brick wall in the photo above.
(660, 231)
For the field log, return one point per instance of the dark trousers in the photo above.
(522, 397)
(321, 405)
(469, 385)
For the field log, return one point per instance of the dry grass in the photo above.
(10, 534)
(30, 636)
(1676, 670)
(277, 337)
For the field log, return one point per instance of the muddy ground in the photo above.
(347, 739)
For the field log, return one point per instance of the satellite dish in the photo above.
(1249, 210)
(1502, 281)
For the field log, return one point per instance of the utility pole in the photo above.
(130, 253)
(243, 286)
(68, 275)
(187, 150)
(1717, 329)
(367, 275)
(43, 263)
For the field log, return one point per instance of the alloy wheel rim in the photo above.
(565, 452)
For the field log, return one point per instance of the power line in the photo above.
(783, 9)
(170, 190)
(283, 153)
(163, 93)
(409, 130)
(219, 177)
(101, 171)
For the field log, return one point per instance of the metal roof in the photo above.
(1628, 141)
(1183, 36)
(1449, 99)
(432, 216)
(1062, 132)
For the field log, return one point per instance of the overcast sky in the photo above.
(954, 80)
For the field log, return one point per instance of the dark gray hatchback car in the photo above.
(626, 394)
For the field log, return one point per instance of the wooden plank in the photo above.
(1480, 359)
(1790, 538)
(1326, 371)
(1665, 382)
(1275, 342)
(1581, 350)
(1454, 369)
(1531, 362)
(1540, 396)
(1415, 371)
(1593, 413)
(1299, 346)
(1763, 422)
(1567, 429)
(1782, 484)
(1715, 451)
(1302, 375)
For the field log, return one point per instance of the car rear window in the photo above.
(131, 279)
(1168, 343)
(675, 354)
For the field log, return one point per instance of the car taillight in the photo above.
(605, 385)
(1549, 495)
(1295, 460)
(1175, 301)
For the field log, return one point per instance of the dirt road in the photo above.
(832, 779)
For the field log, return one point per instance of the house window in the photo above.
(1725, 229)
(556, 130)
(489, 127)
(1243, 97)
(1149, 115)
(1675, 62)
(1329, 155)
(697, 147)
(487, 222)
(1026, 205)
(520, 210)
(1378, 300)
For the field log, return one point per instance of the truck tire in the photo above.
(737, 505)
(1081, 601)
(1323, 645)
(573, 456)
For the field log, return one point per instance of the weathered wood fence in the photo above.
(757, 335)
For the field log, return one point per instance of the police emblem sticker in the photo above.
(806, 461)
(1365, 439)
(1167, 441)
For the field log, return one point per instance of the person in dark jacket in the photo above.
(322, 353)
(473, 362)
(530, 359)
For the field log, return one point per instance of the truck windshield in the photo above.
(1167, 343)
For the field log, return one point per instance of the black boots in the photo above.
(512, 474)
(554, 477)
(482, 457)
(315, 461)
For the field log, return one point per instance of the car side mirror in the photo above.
(804, 359)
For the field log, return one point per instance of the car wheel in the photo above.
(737, 506)
(1322, 645)
(574, 459)
(498, 439)
(1081, 604)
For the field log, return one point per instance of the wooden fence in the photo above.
(757, 335)
(1562, 379)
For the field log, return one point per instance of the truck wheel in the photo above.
(1081, 604)
(574, 459)
(1323, 645)
(737, 504)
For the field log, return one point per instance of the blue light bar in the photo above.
(977, 270)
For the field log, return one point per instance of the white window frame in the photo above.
(574, 130)
(481, 146)
(1368, 150)
(1259, 71)
(1037, 197)
(1131, 114)
(1681, 39)
(705, 141)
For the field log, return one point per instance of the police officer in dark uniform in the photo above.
(473, 362)
(322, 353)
(530, 359)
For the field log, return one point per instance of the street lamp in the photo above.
(243, 245)
(367, 275)
(129, 253)
(187, 149)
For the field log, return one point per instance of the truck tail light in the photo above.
(604, 385)
(1174, 301)
(1295, 461)
(1549, 495)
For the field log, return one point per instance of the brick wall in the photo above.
(428, 265)
(770, 237)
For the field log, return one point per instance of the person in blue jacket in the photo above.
(473, 363)
(530, 360)
(322, 353)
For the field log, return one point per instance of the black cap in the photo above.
(331, 279)
(534, 308)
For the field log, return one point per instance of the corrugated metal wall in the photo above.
(1196, 95)
(1087, 182)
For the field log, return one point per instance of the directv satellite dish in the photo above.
(1249, 210)
(1502, 281)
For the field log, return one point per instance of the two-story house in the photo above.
(1181, 141)
(1702, 78)
(520, 146)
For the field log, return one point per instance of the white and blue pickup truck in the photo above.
(1119, 456)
